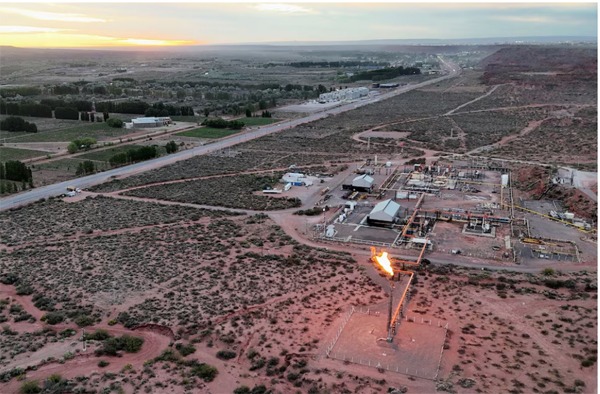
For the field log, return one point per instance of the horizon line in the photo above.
(407, 41)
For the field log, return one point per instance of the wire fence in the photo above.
(339, 331)
(382, 366)
(349, 358)
(354, 241)
(437, 371)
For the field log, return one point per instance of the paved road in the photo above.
(57, 189)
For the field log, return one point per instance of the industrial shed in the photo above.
(363, 183)
(151, 122)
(384, 213)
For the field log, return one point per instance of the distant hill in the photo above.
(406, 45)
(451, 41)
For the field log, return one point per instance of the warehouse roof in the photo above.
(363, 180)
(146, 120)
(385, 210)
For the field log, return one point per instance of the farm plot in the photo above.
(106, 154)
(208, 132)
(7, 153)
(258, 121)
(61, 170)
(99, 131)
(229, 192)
(43, 124)
(54, 219)
(64, 169)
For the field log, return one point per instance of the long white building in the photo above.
(151, 122)
(343, 94)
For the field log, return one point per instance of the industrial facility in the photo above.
(147, 122)
(343, 95)
(451, 207)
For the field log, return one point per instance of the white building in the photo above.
(385, 212)
(293, 177)
(151, 122)
(343, 94)
(363, 182)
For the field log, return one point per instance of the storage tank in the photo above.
(504, 180)
(388, 164)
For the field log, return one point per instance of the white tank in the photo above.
(388, 164)
(504, 180)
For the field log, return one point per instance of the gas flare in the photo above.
(385, 263)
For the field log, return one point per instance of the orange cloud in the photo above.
(49, 39)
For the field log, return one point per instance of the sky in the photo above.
(79, 24)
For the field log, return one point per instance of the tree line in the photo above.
(133, 155)
(221, 123)
(14, 123)
(161, 109)
(384, 73)
(338, 64)
(16, 171)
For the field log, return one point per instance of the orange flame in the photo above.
(385, 263)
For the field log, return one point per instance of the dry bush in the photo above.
(230, 192)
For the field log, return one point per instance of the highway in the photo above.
(58, 189)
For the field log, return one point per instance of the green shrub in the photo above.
(185, 350)
(112, 346)
(242, 390)
(103, 363)
(226, 354)
(54, 378)
(98, 335)
(131, 344)
(30, 387)
(53, 317)
(205, 372)
(114, 122)
(84, 320)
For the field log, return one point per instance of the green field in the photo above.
(99, 131)
(258, 121)
(19, 154)
(100, 159)
(104, 155)
(208, 132)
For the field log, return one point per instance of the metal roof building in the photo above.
(151, 122)
(385, 211)
(363, 181)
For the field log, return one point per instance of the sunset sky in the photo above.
(147, 24)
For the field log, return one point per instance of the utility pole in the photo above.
(390, 306)
(83, 339)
